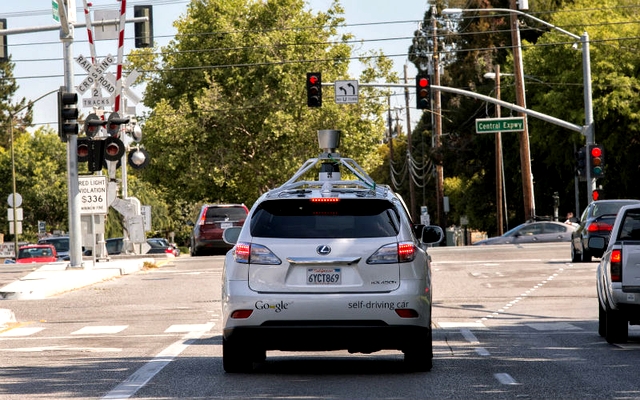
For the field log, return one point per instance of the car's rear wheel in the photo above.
(236, 357)
(575, 256)
(602, 320)
(419, 357)
(617, 326)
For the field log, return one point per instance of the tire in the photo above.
(586, 256)
(602, 320)
(617, 327)
(236, 357)
(575, 256)
(419, 357)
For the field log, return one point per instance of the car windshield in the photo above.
(611, 208)
(347, 218)
(61, 244)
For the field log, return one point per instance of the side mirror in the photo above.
(432, 234)
(597, 243)
(190, 223)
(230, 235)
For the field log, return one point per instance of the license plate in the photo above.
(324, 276)
(225, 225)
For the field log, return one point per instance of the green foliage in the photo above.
(229, 117)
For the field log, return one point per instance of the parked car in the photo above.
(206, 237)
(162, 245)
(114, 246)
(618, 276)
(328, 265)
(37, 253)
(61, 243)
(596, 221)
(533, 232)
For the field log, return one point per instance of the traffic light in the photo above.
(596, 153)
(423, 92)
(92, 125)
(67, 114)
(143, 30)
(597, 194)
(113, 124)
(91, 152)
(581, 162)
(4, 51)
(314, 89)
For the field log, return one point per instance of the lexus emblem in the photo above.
(323, 250)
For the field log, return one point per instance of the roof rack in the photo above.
(330, 177)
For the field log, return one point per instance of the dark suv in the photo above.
(212, 220)
(61, 243)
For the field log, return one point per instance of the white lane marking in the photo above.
(482, 351)
(187, 328)
(505, 379)
(471, 338)
(66, 348)
(100, 330)
(446, 325)
(554, 326)
(138, 379)
(21, 332)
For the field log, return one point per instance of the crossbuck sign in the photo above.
(96, 74)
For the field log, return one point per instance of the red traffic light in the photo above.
(314, 89)
(423, 92)
(596, 151)
(423, 82)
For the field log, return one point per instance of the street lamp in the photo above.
(588, 128)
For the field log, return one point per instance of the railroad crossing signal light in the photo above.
(596, 153)
(113, 149)
(92, 125)
(581, 162)
(113, 124)
(91, 152)
(138, 158)
(314, 89)
(423, 92)
(67, 114)
(143, 30)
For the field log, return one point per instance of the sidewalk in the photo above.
(55, 278)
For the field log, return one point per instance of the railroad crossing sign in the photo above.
(96, 74)
(346, 92)
(494, 125)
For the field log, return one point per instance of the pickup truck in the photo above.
(618, 276)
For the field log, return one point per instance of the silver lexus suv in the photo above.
(328, 264)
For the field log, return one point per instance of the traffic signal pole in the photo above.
(75, 230)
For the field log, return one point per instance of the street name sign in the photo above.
(494, 125)
(346, 92)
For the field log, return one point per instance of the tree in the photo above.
(229, 117)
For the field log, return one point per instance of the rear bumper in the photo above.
(355, 336)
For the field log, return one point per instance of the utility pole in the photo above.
(525, 154)
(437, 129)
(499, 175)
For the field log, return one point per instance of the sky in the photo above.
(381, 25)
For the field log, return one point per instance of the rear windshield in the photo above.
(610, 208)
(61, 244)
(216, 214)
(630, 229)
(300, 218)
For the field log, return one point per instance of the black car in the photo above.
(212, 220)
(61, 243)
(596, 221)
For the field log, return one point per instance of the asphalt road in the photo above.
(509, 322)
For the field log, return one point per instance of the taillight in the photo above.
(203, 218)
(393, 253)
(324, 200)
(241, 314)
(616, 266)
(599, 227)
(246, 253)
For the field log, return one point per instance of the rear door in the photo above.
(629, 235)
(219, 217)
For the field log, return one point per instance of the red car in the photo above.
(37, 253)
(212, 220)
